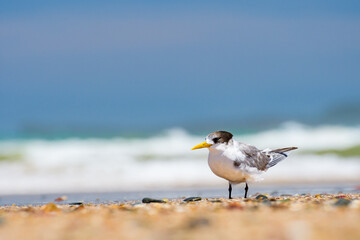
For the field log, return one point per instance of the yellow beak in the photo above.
(202, 145)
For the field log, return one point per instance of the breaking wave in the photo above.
(165, 160)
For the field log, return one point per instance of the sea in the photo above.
(164, 162)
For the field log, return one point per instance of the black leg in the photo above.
(246, 189)
(230, 189)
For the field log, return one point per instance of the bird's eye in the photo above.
(215, 140)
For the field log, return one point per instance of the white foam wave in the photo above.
(306, 137)
(165, 161)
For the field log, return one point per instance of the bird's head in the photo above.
(214, 138)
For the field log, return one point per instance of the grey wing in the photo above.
(254, 157)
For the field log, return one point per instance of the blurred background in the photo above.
(112, 95)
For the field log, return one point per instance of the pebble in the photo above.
(50, 207)
(60, 199)
(76, 203)
(341, 196)
(341, 202)
(261, 197)
(192, 199)
(81, 207)
(152, 200)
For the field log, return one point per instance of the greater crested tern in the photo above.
(237, 162)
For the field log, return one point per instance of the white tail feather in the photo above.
(277, 155)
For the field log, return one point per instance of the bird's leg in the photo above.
(246, 189)
(230, 189)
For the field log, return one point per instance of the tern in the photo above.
(237, 162)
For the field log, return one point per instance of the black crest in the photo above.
(220, 136)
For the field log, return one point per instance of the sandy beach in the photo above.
(319, 216)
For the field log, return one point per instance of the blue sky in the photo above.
(142, 64)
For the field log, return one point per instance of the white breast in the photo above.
(221, 161)
(224, 167)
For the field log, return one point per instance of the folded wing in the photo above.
(277, 155)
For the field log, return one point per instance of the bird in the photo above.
(238, 162)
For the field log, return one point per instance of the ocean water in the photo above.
(164, 161)
(213, 192)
